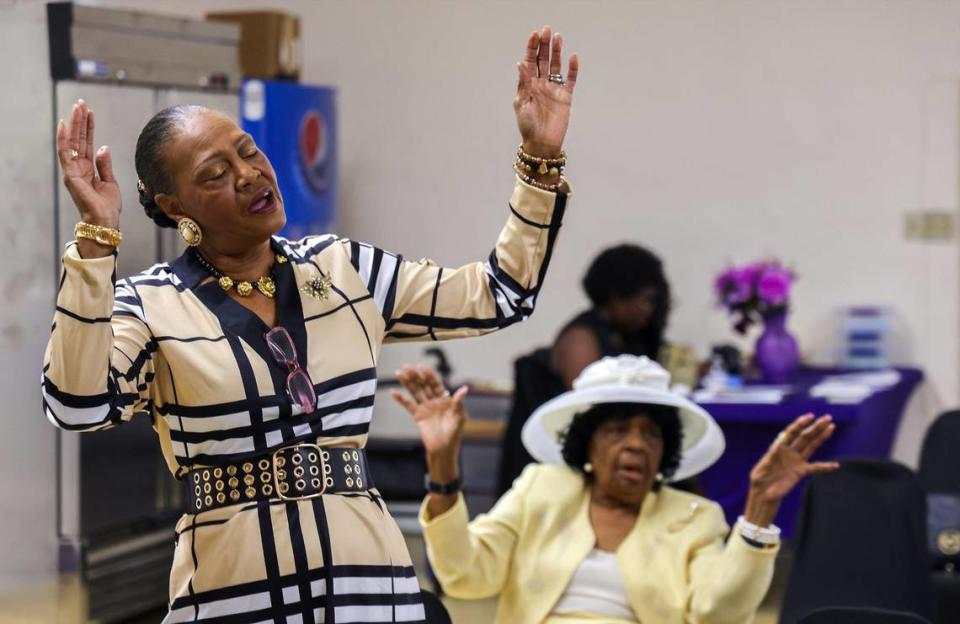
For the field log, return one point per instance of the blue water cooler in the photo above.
(295, 125)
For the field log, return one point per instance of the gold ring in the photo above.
(781, 438)
(74, 154)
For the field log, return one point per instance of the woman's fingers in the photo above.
(818, 467)
(789, 435)
(104, 161)
(533, 45)
(414, 384)
(460, 395)
(88, 144)
(528, 67)
(457, 405)
(573, 68)
(75, 139)
(409, 405)
(809, 433)
(409, 379)
(403, 377)
(73, 130)
(555, 47)
(82, 135)
(543, 53)
(544, 56)
(423, 384)
(63, 151)
(819, 433)
(432, 384)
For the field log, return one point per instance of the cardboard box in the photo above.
(269, 43)
(91, 43)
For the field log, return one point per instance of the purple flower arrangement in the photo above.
(754, 291)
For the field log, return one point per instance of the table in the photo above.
(864, 429)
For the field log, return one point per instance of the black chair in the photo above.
(940, 475)
(856, 615)
(946, 590)
(397, 467)
(534, 383)
(939, 457)
(861, 542)
(436, 612)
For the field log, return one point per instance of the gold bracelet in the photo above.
(542, 169)
(559, 160)
(552, 188)
(110, 237)
(553, 166)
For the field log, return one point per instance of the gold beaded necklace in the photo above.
(264, 283)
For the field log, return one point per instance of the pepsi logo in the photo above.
(314, 145)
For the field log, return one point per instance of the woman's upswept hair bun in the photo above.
(153, 211)
(150, 162)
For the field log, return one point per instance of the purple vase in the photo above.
(776, 354)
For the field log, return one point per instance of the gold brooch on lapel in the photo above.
(318, 287)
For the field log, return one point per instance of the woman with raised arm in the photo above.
(593, 533)
(255, 356)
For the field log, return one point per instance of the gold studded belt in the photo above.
(292, 473)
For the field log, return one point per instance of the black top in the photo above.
(610, 340)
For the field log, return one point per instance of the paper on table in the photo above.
(854, 387)
(878, 380)
(841, 392)
(746, 394)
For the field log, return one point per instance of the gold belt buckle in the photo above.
(277, 481)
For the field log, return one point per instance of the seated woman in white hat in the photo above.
(593, 533)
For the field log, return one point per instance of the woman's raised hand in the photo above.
(544, 95)
(87, 175)
(784, 464)
(440, 418)
(438, 415)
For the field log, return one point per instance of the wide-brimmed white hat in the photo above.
(624, 379)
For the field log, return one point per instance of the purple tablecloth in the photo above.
(865, 429)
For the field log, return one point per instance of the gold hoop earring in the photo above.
(189, 231)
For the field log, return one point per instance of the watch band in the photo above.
(111, 237)
(450, 487)
(760, 537)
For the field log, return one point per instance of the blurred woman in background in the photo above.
(630, 308)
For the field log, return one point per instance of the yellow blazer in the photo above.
(675, 564)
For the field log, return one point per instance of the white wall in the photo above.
(711, 132)
(27, 522)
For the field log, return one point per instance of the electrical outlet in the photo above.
(913, 225)
(940, 225)
(929, 225)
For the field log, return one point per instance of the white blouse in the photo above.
(596, 588)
